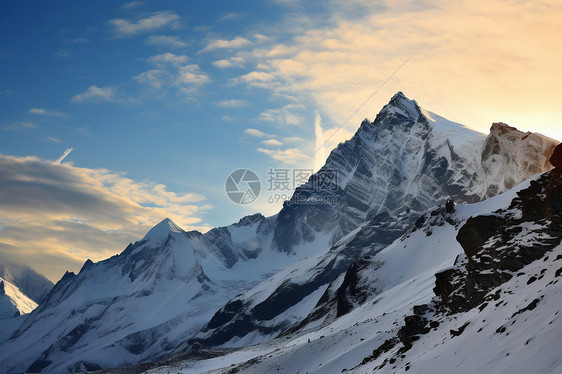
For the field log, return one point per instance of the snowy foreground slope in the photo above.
(176, 293)
(452, 295)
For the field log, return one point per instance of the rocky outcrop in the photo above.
(510, 155)
(495, 248)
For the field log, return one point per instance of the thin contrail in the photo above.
(63, 156)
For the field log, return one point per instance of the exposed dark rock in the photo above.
(532, 305)
(460, 330)
(476, 231)
(556, 158)
(413, 326)
(384, 347)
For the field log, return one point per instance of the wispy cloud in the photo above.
(132, 4)
(58, 215)
(154, 78)
(78, 40)
(232, 103)
(232, 16)
(124, 27)
(169, 65)
(235, 43)
(7, 92)
(288, 156)
(20, 125)
(52, 139)
(224, 63)
(165, 40)
(257, 133)
(95, 93)
(168, 58)
(287, 115)
(45, 112)
(64, 53)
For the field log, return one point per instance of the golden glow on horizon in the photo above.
(475, 62)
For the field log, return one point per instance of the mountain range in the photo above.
(349, 256)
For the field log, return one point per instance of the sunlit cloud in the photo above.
(95, 93)
(59, 214)
(272, 142)
(257, 133)
(124, 27)
(497, 61)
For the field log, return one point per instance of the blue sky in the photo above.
(160, 101)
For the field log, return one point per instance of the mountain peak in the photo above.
(162, 230)
(409, 107)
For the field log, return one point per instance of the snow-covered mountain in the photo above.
(470, 289)
(32, 284)
(13, 302)
(173, 291)
(144, 302)
(391, 172)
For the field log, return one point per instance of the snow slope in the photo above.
(32, 284)
(13, 302)
(516, 330)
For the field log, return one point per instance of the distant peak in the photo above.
(249, 220)
(162, 230)
(409, 107)
(86, 265)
